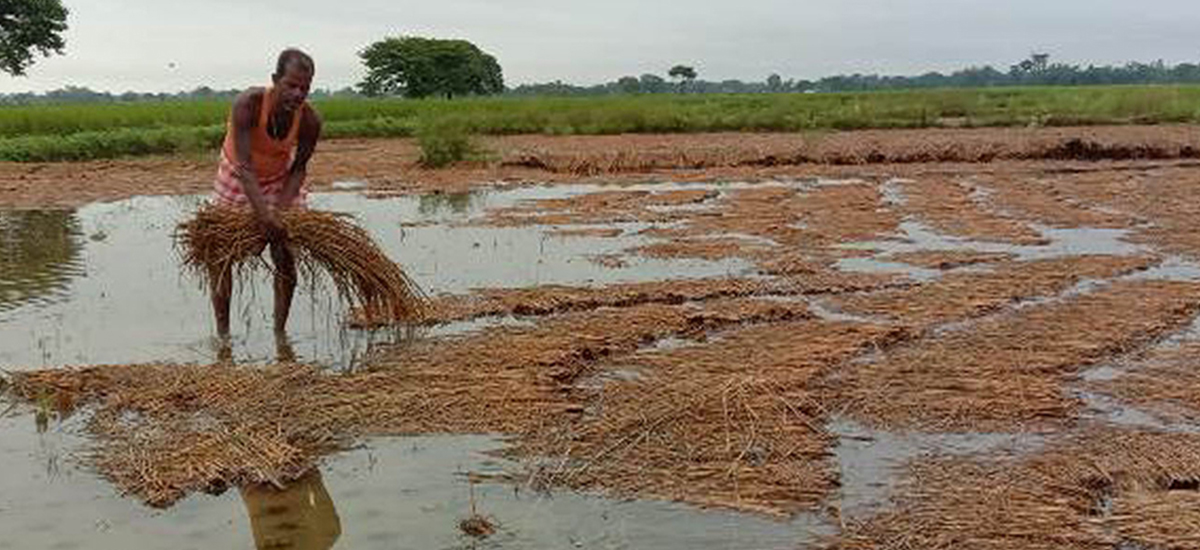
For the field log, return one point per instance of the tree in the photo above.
(775, 83)
(683, 73)
(28, 27)
(422, 67)
(652, 84)
(629, 85)
(1040, 61)
(1037, 65)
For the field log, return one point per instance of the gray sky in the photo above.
(120, 45)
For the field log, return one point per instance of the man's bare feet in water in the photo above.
(283, 348)
(224, 347)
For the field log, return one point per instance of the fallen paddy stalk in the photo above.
(223, 241)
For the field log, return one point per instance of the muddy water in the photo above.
(872, 461)
(102, 284)
(915, 236)
(392, 493)
(39, 255)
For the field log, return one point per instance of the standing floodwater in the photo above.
(103, 284)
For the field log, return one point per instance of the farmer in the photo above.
(270, 137)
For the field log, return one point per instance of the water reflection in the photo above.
(39, 255)
(432, 204)
(135, 305)
(301, 516)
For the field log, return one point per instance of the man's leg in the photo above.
(220, 283)
(284, 353)
(285, 284)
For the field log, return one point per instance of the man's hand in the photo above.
(269, 222)
(291, 189)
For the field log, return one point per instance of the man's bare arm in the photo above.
(245, 117)
(309, 134)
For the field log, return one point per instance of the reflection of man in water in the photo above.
(301, 516)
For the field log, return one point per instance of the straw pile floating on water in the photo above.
(164, 431)
(220, 239)
(1054, 499)
(959, 296)
(738, 441)
(733, 424)
(1165, 382)
(1159, 519)
(1011, 371)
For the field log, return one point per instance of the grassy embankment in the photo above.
(92, 131)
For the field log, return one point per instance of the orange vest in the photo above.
(270, 158)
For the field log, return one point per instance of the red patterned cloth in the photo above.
(227, 188)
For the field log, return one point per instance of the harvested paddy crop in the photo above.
(1009, 371)
(954, 207)
(553, 299)
(1162, 519)
(164, 431)
(704, 249)
(964, 295)
(597, 232)
(810, 219)
(733, 423)
(1166, 381)
(601, 207)
(1040, 198)
(1050, 500)
(949, 259)
(220, 241)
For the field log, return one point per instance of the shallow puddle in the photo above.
(102, 284)
(872, 461)
(393, 493)
(1108, 408)
(1079, 241)
(39, 255)
(918, 237)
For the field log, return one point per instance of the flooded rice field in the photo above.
(117, 262)
(391, 493)
(1002, 360)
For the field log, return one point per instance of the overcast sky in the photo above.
(171, 45)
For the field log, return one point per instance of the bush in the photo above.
(443, 142)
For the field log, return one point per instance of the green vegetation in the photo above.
(29, 27)
(76, 132)
(683, 73)
(418, 67)
(443, 142)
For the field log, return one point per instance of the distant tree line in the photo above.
(81, 94)
(1037, 70)
(481, 76)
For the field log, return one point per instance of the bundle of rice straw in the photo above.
(221, 238)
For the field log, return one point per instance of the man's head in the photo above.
(293, 76)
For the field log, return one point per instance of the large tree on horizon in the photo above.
(29, 27)
(422, 67)
(684, 73)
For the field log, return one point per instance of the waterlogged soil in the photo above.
(117, 262)
(390, 165)
(391, 493)
(809, 353)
